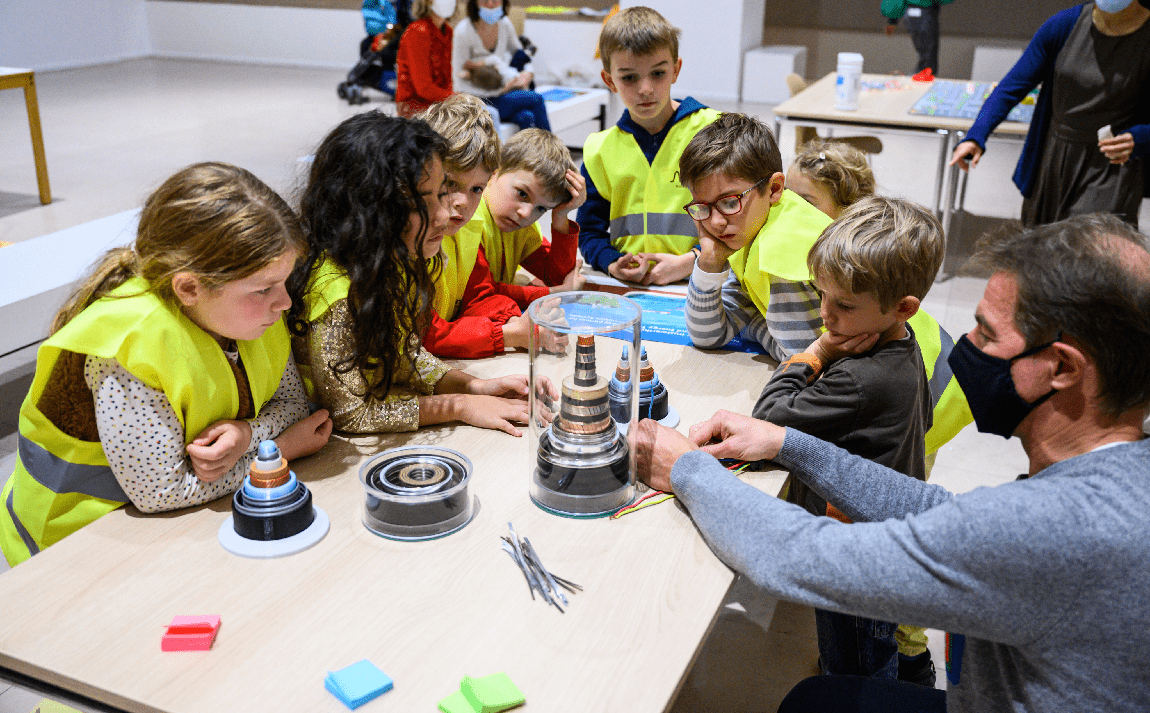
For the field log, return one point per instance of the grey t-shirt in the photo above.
(1047, 578)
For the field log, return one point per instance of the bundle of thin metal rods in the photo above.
(538, 578)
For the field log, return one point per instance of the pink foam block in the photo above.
(190, 633)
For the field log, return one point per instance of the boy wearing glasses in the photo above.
(751, 274)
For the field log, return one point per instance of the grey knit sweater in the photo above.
(1048, 578)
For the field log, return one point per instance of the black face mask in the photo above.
(989, 388)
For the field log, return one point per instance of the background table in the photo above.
(13, 78)
(87, 614)
(888, 110)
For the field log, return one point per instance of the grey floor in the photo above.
(114, 132)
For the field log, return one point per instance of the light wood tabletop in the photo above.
(886, 107)
(88, 613)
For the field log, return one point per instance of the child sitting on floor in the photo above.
(862, 385)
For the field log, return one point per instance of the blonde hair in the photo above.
(543, 154)
(735, 145)
(840, 168)
(887, 247)
(638, 30)
(216, 221)
(466, 124)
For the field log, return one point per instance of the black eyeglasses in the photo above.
(727, 205)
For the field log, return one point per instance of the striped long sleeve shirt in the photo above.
(719, 309)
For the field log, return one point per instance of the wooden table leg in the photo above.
(37, 140)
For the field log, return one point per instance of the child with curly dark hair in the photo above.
(375, 214)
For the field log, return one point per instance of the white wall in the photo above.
(249, 33)
(59, 34)
(715, 36)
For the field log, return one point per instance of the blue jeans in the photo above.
(854, 646)
(855, 694)
(521, 107)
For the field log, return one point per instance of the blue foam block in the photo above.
(358, 683)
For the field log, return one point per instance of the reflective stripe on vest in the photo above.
(646, 198)
(60, 476)
(951, 412)
(13, 555)
(780, 248)
(62, 483)
(504, 251)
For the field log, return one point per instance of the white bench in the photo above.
(40, 274)
(573, 118)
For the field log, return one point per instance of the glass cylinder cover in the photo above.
(579, 344)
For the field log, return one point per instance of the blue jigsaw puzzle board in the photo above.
(963, 100)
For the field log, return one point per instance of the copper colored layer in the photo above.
(576, 392)
(647, 373)
(270, 478)
(585, 340)
(586, 428)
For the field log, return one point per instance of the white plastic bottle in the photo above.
(848, 80)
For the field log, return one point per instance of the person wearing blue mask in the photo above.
(1041, 581)
(486, 38)
(1086, 147)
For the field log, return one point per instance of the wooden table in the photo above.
(888, 110)
(87, 614)
(13, 78)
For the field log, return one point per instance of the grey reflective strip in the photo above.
(24, 534)
(671, 224)
(60, 476)
(626, 225)
(657, 224)
(942, 372)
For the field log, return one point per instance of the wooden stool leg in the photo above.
(37, 141)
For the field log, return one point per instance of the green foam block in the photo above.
(491, 694)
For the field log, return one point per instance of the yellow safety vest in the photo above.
(780, 248)
(329, 284)
(62, 483)
(951, 411)
(460, 252)
(504, 251)
(646, 198)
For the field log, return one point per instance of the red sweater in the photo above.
(423, 67)
(478, 330)
(551, 262)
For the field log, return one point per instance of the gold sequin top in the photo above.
(329, 341)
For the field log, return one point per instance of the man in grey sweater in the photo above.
(1042, 583)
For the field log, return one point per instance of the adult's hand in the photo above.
(731, 435)
(966, 155)
(1119, 148)
(656, 449)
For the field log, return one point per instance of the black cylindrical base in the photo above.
(277, 519)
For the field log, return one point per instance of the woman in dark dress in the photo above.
(1091, 127)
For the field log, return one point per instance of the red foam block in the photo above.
(190, 633)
